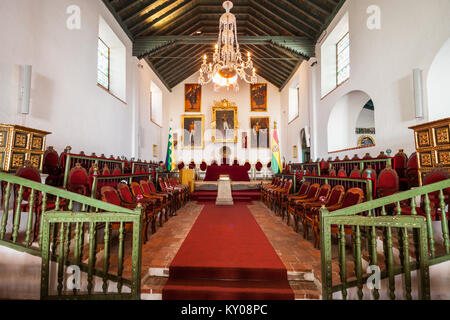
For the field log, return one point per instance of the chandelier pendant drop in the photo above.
(228, 65)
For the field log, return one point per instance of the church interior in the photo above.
(224, 150)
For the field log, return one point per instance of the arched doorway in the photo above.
(352, 122)
(437, 83)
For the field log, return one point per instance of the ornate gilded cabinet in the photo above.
(433, 146)
(18, 144)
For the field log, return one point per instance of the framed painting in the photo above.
(244, 140)
(258, 97)
(192, 97)
(294, 152)
(260, 132)
(225, 123)
(365, 141)
(175, 140)
(193, 132)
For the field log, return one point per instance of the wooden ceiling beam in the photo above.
(303, 12)
(194, 51)
(270, 60)
(270, 13)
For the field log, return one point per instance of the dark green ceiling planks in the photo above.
(173, 35)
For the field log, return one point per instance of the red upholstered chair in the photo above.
(355, 157)
(50, 166)
(180, 165)
(78, 180)
(400, 165)
(434, 176)
(333, 173)
(258, 166)
(372, 175)
(31, 173)
(247, 165)
(387, 183)
(192, 165)
(311, 195)
(356, 173)
(235, 162)
(412, 171)
(299, 212)
(367, 156)
(159, 202)
(203, 166)
(105, 170)
(302, 192)
(117, 170)
(342, 173)
(281, 196)
(311, 209)
(149, 189)
(151, 210)
(166, 188)
(267, 189)
(352, 197)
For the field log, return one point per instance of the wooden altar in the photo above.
(18, 144)
(433, 146)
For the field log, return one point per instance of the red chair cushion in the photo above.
(350, 200)
(111, 197)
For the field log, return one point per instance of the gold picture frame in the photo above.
(362, 141)
(221, 111)
(294, 152)
(186, 122)
(264, 123)
(192, 97)
(258, 97)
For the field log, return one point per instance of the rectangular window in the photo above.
(103, 67)
(343, 59)
(294, 103)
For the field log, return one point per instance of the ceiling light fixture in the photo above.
(228, 65)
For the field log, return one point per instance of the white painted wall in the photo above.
(65, 98)
(381, 65)
(276, 111)
(303, 78)
(438, 84)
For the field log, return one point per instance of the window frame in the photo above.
(337, 59)
(109, 67)
(297, 90)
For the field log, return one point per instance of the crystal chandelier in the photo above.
(228, 65)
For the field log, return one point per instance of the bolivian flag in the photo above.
(276, 157)
(170, 158)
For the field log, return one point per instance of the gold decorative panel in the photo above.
(3, 138)
(426, 159)
(19, 143)
(18, 159)
(444, 157)
(36, 160)
(423, 139)
(20, 140)
(37, 142)
(433, 146)
(442, 136)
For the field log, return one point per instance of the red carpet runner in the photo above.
(226, 256)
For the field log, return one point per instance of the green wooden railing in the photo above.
(310, 167)
(71, 159)
(68, 237)
(149, 167)
(381, 219)
(376, 164)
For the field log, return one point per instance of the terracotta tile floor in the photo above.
(299, 256)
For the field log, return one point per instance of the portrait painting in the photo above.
(260, 132)
(193, 132)
(258, 97)
(225, 122)
(192, 97)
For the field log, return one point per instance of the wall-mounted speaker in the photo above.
(26, 89)
(418, 92)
